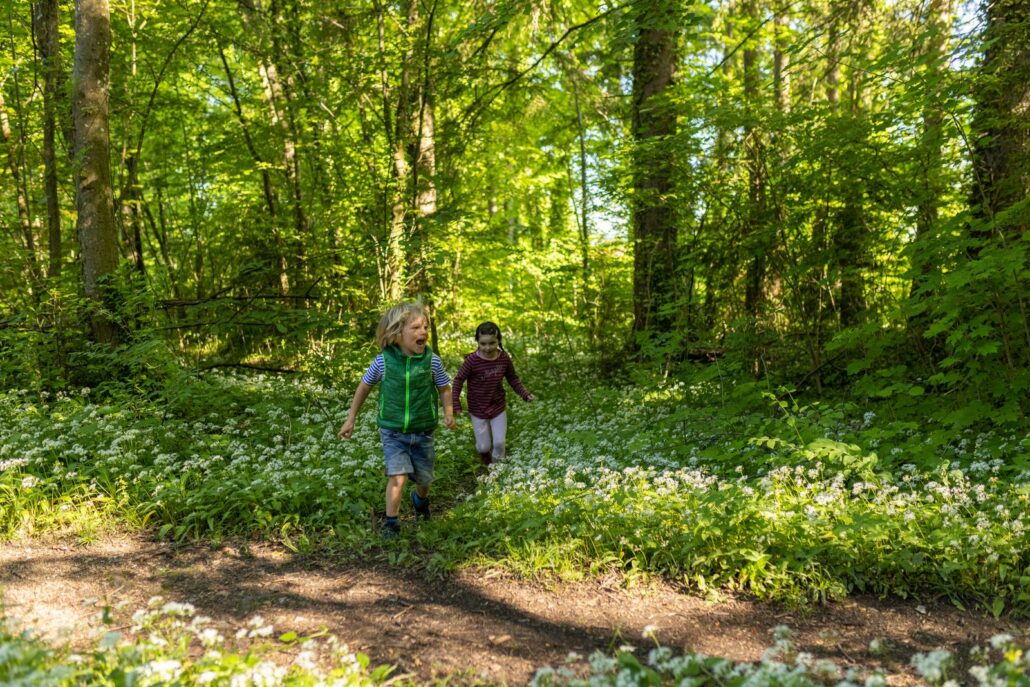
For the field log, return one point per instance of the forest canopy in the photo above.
(830, 194)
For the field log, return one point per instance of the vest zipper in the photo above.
(407, 392)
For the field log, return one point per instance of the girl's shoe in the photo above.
(485, 459)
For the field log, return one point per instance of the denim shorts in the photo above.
(409, 454)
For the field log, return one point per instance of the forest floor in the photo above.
(475, 626)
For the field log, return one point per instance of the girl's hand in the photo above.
(448, 422)
(530, 397)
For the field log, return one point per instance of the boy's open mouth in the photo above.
(420, 342)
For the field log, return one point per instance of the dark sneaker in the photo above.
(391, 530)
(420, 504)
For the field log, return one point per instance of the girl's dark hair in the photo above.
(490, 329)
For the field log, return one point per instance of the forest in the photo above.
(763, 263)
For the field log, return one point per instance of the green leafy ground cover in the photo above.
(704, 482)
(168, 644)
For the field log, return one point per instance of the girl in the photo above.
(414, 383)
(484, 369)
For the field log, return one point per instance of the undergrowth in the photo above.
(701, 480)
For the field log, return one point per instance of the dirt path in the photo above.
(484, 626)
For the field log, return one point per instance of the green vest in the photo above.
(408, 397)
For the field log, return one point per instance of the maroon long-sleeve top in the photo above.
(485, 396)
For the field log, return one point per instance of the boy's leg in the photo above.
(423, 461)
(499, 432)
(397, 453)
(394, 490)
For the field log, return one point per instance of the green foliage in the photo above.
(169, 644)
(959, 352)
(264, 209)
(1003, 662)
(36, 342)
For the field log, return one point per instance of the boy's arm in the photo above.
(352, 415)
(448, 411)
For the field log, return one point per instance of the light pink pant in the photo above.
(490, 435)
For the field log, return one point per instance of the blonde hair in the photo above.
(395, 319)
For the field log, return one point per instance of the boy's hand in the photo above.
(346, 430)
(448, 421)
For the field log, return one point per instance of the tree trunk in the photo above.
(820, 294)
(755, 239)
(48, 40)
(1001, 164)
(423, 182)
(1002, 120)
(931, 185)
(654, 121)
(13, 157)
(938, 23)
(98, 239)
(850, 249)
(398, 136)
(718, 264)
(781, 61)
(276, 92)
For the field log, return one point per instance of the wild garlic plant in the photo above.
(167, 643)
(696, 482)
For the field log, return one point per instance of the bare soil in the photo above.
(473, 626)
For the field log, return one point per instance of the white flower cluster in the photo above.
(781, 666)
(172, 630)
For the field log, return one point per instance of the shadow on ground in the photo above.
(477, 624)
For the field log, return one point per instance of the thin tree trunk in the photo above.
(159, 229)
(130, 200)
(13, 163)
(718, 263)
(15, 150)
(267, 188)
(48, 41)
(781, 61)
(397, 137)
(275, 93)
(819, 293)
(931, 186)
(938, 22)
(584, 191)
(850, 235)
(756, 239)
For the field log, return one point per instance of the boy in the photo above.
(414, 384)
